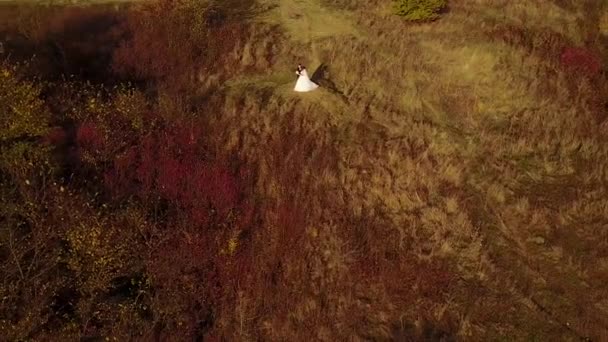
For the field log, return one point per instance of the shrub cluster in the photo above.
(116, 211)
(581, 60)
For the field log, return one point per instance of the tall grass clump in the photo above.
(419, 10)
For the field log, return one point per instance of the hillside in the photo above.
(447, 182)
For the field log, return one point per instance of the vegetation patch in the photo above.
(419, 10)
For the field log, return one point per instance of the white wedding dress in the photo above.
(304, 83)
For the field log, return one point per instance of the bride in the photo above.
(304, 83)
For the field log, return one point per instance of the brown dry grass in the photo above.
(467, 158)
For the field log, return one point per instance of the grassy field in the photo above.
(450, 184)
(463, 142)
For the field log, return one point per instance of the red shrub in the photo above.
(89, 137)
(146, 171)
(170, 177)
(581, 60)
(219, 186)
(172, 163)
(182, 273)
(246, 215)
(124, 166)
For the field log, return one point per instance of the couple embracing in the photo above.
(304, 84)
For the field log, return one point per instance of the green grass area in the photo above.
(307, 21)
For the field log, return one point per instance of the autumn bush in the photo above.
(167, 196)
(25, 122)
(172, 164)
(90, 172)
(581, 60)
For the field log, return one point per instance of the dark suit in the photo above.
(299, 69)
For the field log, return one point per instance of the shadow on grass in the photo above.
(63, 41)
(321, 77)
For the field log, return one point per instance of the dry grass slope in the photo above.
(462, 183)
